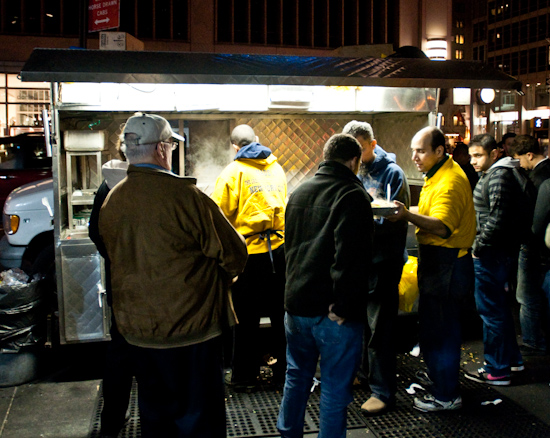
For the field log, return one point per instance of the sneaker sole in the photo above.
(489, 382)
(454, 408)
(517, 369)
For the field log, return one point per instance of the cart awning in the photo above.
(67, 65)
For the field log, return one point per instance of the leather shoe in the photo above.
(373, 406)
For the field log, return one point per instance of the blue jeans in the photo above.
(499, 335)
(445, 282)
(340, 349)
(531, 297)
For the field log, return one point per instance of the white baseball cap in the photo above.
(149, 129)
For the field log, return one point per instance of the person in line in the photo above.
(118, 373)
(328, 252)
(506, 142)
(446, 228)
(378, 173)
(541, 221)
(529, 293)
(495, 250)
(462, 157)
(173, 256)
(251, 192)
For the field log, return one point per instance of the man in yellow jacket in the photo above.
(251, 192)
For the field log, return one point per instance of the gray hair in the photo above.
(137, 153)
(356, 129)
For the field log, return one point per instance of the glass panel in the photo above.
(2, 95)
(52, 20)
(2, 80)
(19, 95)
(3, 117)
(25, 114)
(181, 16)
(162, 19)
(15, 82)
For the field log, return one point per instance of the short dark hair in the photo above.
(486, 141)
(523, 144)
(507, 136)
(341, 148)
(356, 128)
(242, 135)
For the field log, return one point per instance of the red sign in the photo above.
(103, 14)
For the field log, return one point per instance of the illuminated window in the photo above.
(459, 54)
(459, 39)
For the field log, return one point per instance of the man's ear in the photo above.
(494, 154)
(159, 151)
(440, 150)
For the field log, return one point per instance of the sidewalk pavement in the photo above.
(63, 402)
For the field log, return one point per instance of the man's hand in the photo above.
(400, 214)
(334, 317)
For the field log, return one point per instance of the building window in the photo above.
(21, 104)
(459, 54)
(307, 23)
(459, 39)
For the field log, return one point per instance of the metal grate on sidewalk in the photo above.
(255, 414)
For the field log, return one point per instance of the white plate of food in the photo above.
(382, 207)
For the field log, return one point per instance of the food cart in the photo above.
(293, 103)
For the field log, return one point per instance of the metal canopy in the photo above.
(66, 65)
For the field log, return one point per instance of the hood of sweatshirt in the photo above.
(381, 161)
(254, 151)
(114, 171)
(508, 162)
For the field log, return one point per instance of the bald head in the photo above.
(431, 136)
(242, 135)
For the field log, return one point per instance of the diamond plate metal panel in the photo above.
(82, 316)
(296, 142)
(394, 132)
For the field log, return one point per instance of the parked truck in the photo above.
(293, 103)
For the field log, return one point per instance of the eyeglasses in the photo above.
(173, 144)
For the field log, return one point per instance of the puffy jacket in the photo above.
(173, 255)
(251, 192)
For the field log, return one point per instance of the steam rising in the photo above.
(207, 160)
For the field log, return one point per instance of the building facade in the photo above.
(294, 27)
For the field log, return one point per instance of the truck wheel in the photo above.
(44, 266)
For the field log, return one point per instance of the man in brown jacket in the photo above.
(173, 255)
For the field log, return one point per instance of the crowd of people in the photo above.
(191, 275)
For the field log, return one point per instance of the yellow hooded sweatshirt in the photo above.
(251, 192)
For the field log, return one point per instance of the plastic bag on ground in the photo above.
(408, 286)
(21, 311)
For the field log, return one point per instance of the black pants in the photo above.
(181, 391)
(117, 382)
(378, 365)
(257, 293)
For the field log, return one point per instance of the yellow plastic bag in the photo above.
(408, 286)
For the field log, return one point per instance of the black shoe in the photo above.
(527, 350)
(482, 376)
(242, 385)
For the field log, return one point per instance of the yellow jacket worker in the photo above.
(251, 192)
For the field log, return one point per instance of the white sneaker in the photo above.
(429, 403)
